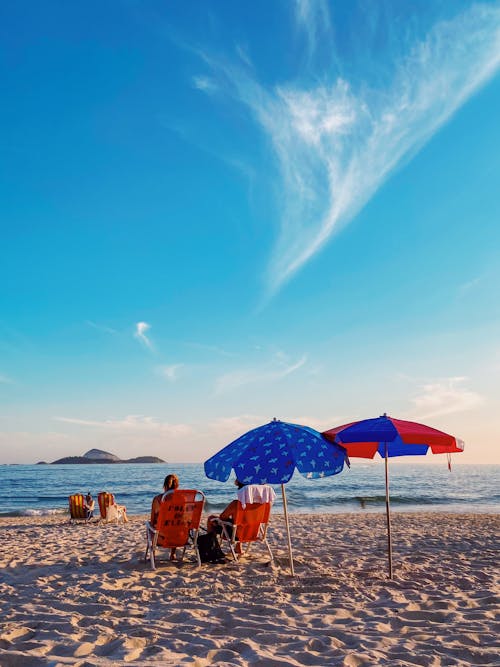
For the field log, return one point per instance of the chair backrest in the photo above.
(105, 499)
(76, 508)
(180, 511)
(251, 522)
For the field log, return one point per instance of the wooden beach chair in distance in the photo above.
(250, 525)
(110, 511)
(77, 511)
(178, 523)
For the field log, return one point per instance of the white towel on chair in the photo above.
(113, 514)
(256, 493)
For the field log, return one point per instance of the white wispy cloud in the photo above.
(276, 369)
(243, 55)
(140, 333)
(445, 396)
(210, 348)
(229, 428)
(100, 327)
(204, 83)
(139, 423)
(469, 286)
(318, 424)
(313, 17)
(337, 142)
(170, 371)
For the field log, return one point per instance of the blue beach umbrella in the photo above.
(270, 454)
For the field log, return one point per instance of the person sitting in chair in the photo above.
(248, 494)
(227, 514)
(89, 506)
(170, 484)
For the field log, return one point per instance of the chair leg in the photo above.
(269, 550)
(197, 552)
(150, 547)
(152, 553)
(233, 552)
(230, 540)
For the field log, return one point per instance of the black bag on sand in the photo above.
(209, 548)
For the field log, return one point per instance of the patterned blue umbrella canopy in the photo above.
(269, 454)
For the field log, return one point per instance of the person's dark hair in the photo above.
(171, 483)
(239, 484)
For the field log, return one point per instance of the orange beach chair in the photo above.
(250, 525)
(177, 525)
(110, 511)
(77, 510)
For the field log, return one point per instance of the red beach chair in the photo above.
(177, 525)
(249, 525)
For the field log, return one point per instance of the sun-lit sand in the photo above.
(82, 595)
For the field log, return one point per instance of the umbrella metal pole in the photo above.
(388, 511)
(285, 509)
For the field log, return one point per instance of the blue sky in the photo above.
(217, 213)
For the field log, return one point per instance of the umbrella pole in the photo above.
(285, 509)
(388, 511)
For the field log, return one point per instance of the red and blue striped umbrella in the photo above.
(391, 437)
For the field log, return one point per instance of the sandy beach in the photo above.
(82, 595)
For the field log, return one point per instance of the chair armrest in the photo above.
(217, 519)
(150, 528)
(228, 527)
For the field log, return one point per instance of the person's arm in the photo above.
(155, 508)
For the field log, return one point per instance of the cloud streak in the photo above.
(230, 428)
(277, 369)
(170, 371)
(313, 18)
(445, 396)
(134, 423)
(337, 142)
(100, 327)
(140, 334)
(204, 83)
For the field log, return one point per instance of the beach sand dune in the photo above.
(82, 595)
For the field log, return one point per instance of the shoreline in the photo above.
(82, 595)
(493, 510)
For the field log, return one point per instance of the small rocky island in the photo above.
(100, 456)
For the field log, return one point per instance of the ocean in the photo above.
(44, 489)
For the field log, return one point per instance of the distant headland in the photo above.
(100, 456)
